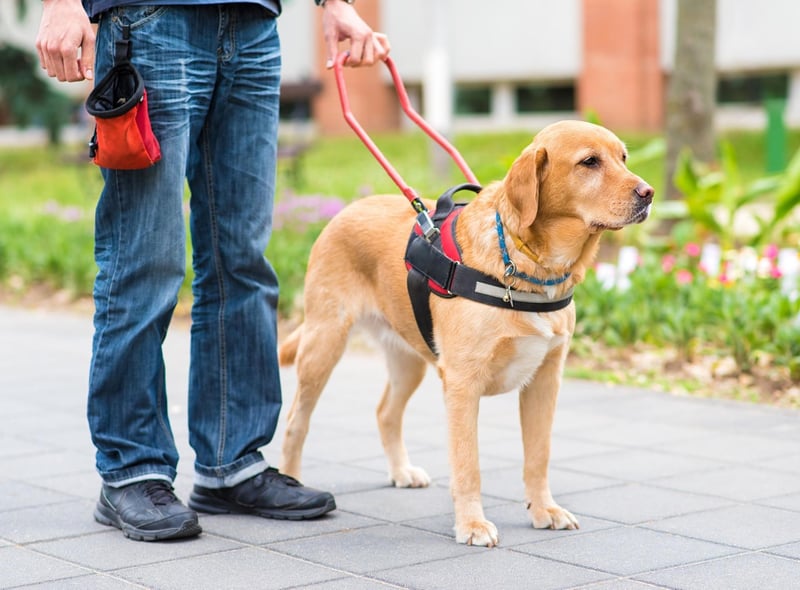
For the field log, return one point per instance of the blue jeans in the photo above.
(212, 75)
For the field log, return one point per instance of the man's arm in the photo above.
(66, 41)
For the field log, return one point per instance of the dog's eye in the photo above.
(624, 157)
(591, 162)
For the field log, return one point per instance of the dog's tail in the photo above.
(287, 351)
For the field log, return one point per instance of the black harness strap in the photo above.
(430, 269)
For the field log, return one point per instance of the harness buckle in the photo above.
(429, 230)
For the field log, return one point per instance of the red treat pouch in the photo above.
(123, 138)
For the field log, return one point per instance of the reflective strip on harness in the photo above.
(519, 296)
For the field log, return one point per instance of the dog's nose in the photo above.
(644, 191)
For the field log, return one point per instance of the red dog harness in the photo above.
(434, 266)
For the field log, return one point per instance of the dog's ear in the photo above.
(523, 181)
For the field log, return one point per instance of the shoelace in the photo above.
(272, 473)
(160, 493)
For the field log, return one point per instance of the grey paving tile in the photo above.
(397, 504)
(637, 464)
(508, 485)
(14, 446)
(48, 463)
(637, 433)
(492, 568)
(23, 566)
(353, 583)
(745, 572)
(734, 447)
(627, 550)
(332, 445)
(621, 584)
(636, 503)
(63, 435)
(573, 418)
(747, 526)
(91, 582)
(564, 447)
(17, 494)
(261, 531)
(82, 484)
(112, 550)
(783, 463)
(741, 483)
(788, 502)
(791, 550)
(53, 521)
(372, 549)
(513, 525)
(245, 568)
(339, 478)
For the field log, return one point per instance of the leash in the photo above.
(424, 220)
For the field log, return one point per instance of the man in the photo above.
(211, 70)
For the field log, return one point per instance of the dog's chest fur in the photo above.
(518, 359)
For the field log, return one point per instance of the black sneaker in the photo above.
(269, 494)
(146, 511)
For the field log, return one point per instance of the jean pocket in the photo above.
(135, 16)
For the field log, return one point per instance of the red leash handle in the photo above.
(405, 103)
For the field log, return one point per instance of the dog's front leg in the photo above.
(471, 525)
(537, 405)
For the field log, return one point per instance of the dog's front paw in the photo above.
(477, 532)
(552, 517)
(410, 477)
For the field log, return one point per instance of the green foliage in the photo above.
(679, 306)
(47, 250)
(288, 252)
(713, 196)
(27, 97)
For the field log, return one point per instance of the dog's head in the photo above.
(577, 170)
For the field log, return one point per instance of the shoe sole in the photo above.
(216, 506)
(107, 516)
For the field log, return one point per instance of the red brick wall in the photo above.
(621, 79)
(372, 99)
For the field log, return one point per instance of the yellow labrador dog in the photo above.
(560, 194)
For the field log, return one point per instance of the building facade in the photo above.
(523, 63)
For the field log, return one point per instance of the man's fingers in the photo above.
(356, 53)
(87, 58)
(333, 50)
(382, 46)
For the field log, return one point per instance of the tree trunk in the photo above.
(691, 92)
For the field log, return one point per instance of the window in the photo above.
(473, 100)
(753, 89)
(537, 98)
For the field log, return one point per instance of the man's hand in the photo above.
(341, 22)
(66, 41)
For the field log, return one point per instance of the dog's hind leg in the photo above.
(320, 348)
(406, 371)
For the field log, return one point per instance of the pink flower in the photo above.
(771, 251)
(693, 249)
(684, 277)
(667, 263)
(775, 272)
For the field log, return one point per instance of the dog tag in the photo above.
(507, 297)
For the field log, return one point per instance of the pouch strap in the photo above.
(122, 47)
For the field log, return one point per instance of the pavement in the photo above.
(671, 492)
